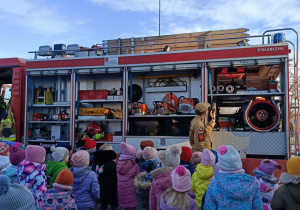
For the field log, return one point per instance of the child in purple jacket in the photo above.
(169, 158)
(127, 169)
(31, 172)
(179, 196)
(86, 188)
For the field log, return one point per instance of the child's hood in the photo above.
(53, 166)
(80, 173)
(167, 207)
(126, 167)
(236, 186)
(204, 172)
(142, 182)
(4, 161)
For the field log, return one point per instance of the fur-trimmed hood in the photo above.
(142, 182)
(161, 170)
(286, 178)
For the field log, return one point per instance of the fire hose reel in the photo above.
(262, 115)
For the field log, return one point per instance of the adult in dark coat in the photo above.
(107, 178)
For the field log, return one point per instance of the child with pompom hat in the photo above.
(86, 188)
(16, 156)
(60, 158)
(14, 196)
(161, 177)
(179, 196)
(127, 169)
(202, 175)
(265, 180)
(4, 157)
(232, 188)
(186, 158)
(31, 172)
(143, 181)
(287, 196)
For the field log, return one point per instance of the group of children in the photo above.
(174, 179)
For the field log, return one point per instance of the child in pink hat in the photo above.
(179, 196)
(16, 156)
(86, 190)
(202, 175)
(31, 172)
(127, 169)
(267, 183)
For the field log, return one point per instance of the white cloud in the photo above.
(33, 16)
(192, 15)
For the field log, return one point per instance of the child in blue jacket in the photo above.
(232, 188)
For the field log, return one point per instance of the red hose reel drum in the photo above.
(262, 115)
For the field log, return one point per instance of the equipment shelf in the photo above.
(248, 94)
(46, 141)
(99, 101)
(154, 116)
(49, 122)
(98, 120)
(46, 105)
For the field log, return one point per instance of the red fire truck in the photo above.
(146, 88)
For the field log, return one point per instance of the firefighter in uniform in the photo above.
(199, 132)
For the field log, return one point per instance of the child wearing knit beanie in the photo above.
(139, 153)
(179, 196)
(86, 189)
(105, 158)
(60, 158)
(143, 180)
(31, 172)
(287, 196)
(127, 169)
(16, 156)
(161, 177)
(202, 176)
(186, 159)
(4, 157)
(232, 188)
(60, 196)
(14, 196)
(265, 180)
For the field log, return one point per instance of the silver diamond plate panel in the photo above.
(196, 88)
(269, 143)
(116, 147)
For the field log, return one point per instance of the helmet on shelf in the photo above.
(94, 128)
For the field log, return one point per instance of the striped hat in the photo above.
(14, 196)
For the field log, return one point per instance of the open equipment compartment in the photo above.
(249, 97)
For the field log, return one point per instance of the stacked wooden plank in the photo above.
(176, 42)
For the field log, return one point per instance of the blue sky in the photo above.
(27, 24)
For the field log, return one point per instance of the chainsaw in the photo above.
(140, 109)
(163, 108)
(182, 105)
(187, 105)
